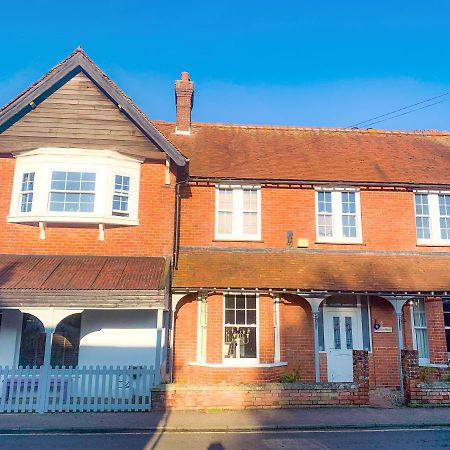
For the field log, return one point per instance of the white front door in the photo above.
(342, 334)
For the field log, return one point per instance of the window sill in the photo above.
(73, 219)
(438, 366)
(236, 240)
(320, 241)
(433, 244)
(236, 364)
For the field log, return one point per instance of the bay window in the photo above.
(75, 186)
(240, 327)
(238, 213)
(338, 215)
(432, 212)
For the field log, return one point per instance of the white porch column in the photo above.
(397, 303)
(159, 327)
(276, 327)
(315, 303)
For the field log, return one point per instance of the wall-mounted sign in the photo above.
(384, 330)
(378, 328)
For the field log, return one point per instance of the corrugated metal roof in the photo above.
(82, 273)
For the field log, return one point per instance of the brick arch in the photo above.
(297, 336)
(185, 337)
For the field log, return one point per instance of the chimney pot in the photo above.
(184, 94)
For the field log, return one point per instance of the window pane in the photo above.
(348, 203)
(446, 305)
(240, 342)
(251, 301)
(250, 200)
(225, 199)
(365, 322)
(250, 223)
(66, 342)
(324, 202)
(240, 316)
(337, 333)
(325, 225)
(32, 342)
(447, 334)
(229, 316)
(251, 317)
(422, 216)
(422, 343)
(419, 313)
(349, 226)
(444, 223)
(423, 227)
(230, 301)
(225, 225)
(349, 333)
(240, 301)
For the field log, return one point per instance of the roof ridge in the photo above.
(431, 132)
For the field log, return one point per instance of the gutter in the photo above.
(331, 183)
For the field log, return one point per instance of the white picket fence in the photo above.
(76, 389)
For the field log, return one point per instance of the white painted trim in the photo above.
(434, 216)
(276, 323)
(218, 365)
(336, 216)
(202, 303)
(237, 214)
(105, 163)
(177, 131)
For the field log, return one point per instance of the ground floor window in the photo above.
(447, 323)
(32, 342)
(420, 333)
(240, 326)
(66, 342)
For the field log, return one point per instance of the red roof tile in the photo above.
(313, 154)
(330, 271)
(82, 273)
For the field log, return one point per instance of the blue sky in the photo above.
(322, 63)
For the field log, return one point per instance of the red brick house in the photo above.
(216, 253)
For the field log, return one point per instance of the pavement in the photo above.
(224, 420)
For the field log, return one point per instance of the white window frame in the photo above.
(237, 233)
(237, 362)
(336, 205)
(422, 361)
(106, 164)
(434, 216)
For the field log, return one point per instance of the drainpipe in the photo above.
(176, 230)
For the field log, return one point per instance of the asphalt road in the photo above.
(423, 439)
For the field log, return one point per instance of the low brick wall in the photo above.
(268, 395)
(247, 396)
(419, 392)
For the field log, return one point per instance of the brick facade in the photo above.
(293, 208)
(152, 237)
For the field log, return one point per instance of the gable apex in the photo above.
(77, 62)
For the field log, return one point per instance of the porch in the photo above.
(81, 348)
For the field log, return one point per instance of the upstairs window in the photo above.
(121, 194)
(64, 185)
(72, 192)
(338, 216)
(432, 218)
(26, 192)
(238, 213)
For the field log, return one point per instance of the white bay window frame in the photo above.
(240, 362)
(337, 214)
(237, 212)
(105, 164)
(433, 216)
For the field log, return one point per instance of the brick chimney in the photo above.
(184, 99)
